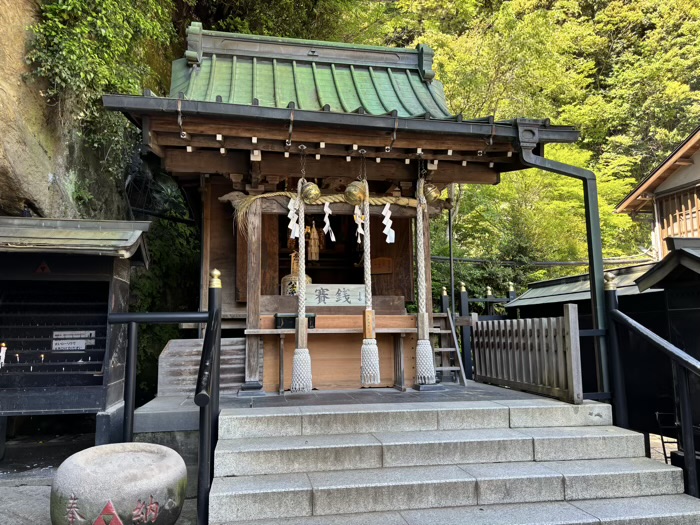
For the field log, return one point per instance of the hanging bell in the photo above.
(431, 193)
(310, 192)
(355, 193)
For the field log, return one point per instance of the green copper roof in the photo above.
(311, 75)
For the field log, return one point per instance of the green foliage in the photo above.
(171, 283)
(312, 19)
(623, 72)
(85, 48)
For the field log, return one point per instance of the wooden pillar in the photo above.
(428, 273)
(253, 356)
(205, 188)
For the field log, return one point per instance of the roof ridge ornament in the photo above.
(425, 62)
(193, 54)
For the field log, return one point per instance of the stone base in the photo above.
(437, 387)
(251, 389)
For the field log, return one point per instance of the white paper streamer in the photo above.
(293, 219)
(327, 222)
(359, 220)
(387, 222)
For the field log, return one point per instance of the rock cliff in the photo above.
(43, 166)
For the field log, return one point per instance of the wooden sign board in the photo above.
(382, 266)
(335, 295)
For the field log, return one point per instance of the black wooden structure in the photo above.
(59, 280)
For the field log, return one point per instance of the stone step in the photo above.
(385, 417)
(178, 366)
(653, 510)
(404, 488)
(287, 454)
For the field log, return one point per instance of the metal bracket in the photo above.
(288, 142)
(387, 149)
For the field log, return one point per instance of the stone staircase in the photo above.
(516, 462)
(178, 366)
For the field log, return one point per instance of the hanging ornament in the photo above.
(355, 193)
(293, 219)
(359, 220)
(431, 193)
(314, 243)
(387, 222)
(327, 221)
(310, 192)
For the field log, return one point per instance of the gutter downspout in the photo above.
(528, 136)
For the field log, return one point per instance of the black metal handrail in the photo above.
(203, 390)
(676, 354)
(206, 397)
(207, 389)
(683, 364)
(133, 319)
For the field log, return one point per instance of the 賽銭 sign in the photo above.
(335, 294)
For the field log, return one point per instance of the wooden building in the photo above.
(59, 281)
(670, 194)
(246, 114)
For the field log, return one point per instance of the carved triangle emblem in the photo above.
(108, 516)
(43, 268)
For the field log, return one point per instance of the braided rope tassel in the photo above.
(369, 368)
(301, 366)
(425, 360)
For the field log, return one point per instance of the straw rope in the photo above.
(301, 364)
(244, 202)
(425, 358)
(420, 248)
(367, 256)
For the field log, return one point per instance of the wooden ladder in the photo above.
(447, 349)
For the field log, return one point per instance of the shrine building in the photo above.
(364, 129)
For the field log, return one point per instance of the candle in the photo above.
(3, 349)
(42, 358)
(17, 356)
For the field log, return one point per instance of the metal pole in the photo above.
(130, 381)
(450, 233)
(215, 306)
(204, 470)
(528, 135)
(466, 332)
(619, 393)
(597, 280)
(686, 414)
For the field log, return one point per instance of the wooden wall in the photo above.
(270, 281)
(335, 358)
(218, 246)
(399, 279)
(678, 215)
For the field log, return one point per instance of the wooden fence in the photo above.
(535, 355)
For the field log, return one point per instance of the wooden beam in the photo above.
(313, 135)
(683, 162)
(149, 142)
(278, 206)
(275, 165)
(393, 170)
(233, 143)
(203, 161)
